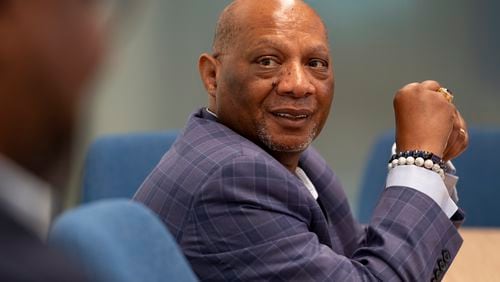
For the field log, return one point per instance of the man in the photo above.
(49, 50)
(248, 199)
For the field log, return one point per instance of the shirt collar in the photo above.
(301, 174)
(211, 113)
(25, 197)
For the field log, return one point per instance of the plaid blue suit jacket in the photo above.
(239, 215)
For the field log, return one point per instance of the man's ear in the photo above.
(208, 67)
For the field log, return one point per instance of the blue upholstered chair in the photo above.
(116, 165)
(120, 241)
(478, 168)
(373, 181)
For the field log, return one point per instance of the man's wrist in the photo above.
(437, 150)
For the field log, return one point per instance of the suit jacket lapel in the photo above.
(314, 166)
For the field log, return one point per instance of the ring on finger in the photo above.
(446, 93)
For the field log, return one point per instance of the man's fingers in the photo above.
(463, 132)
(431, 85)
(451, 146)
(459, 138)
(454, 150)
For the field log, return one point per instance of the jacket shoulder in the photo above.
(210, 141)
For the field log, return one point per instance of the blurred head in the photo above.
(270, 77)
(48, 53)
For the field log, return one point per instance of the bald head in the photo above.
(242, 15)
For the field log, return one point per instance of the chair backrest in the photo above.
(120, 240)
(478, 169)
(375, 173)
(116, 165)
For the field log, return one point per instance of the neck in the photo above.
(290, 160)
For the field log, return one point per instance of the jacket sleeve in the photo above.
(249, 223)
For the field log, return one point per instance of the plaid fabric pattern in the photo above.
(239, 215)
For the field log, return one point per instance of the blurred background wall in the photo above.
(152, 82)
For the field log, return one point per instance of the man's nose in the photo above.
(294, 81)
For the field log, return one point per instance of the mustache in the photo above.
(298, 103)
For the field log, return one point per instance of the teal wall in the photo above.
(152, 82)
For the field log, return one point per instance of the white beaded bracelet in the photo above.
(422, 159)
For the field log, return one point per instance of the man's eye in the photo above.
(267, 62)
(317, 63)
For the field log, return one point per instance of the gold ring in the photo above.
(446, 93)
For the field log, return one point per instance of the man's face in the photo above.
(275, 83)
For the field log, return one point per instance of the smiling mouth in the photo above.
(291, 116)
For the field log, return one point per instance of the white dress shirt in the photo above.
(301, 174)
(25, 197)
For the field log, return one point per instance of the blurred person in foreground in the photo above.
(248, 198)
(49, 50)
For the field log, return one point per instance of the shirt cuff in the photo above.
(425, 181)
(450, 181)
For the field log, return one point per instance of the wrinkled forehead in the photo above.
(245, 21)
(285, 15)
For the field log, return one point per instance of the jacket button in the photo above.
(441, 264)
(437, 273)
(446, 256)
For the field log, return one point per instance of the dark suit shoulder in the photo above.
(209, 142)
(210, 161)
(23, 257)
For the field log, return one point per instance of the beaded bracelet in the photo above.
(421, 159)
